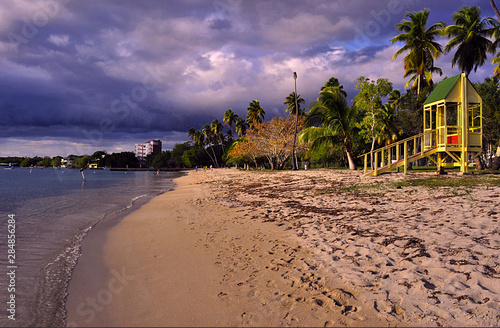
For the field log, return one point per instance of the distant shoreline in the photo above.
(147, 169)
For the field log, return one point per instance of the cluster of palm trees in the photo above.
(470, 34)
(331, 122)
(212, 139)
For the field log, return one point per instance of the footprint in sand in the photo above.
(246, 318)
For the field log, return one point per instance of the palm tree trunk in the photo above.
(495, 9)
(211, 158)
(213, 152)
(350, 160)
(418, 86)
(222, 144)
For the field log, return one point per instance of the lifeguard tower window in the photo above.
(430, 118)
(451, 114)
(474, 115)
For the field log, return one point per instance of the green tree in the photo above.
(419, 45)
(290, 102)
(470, 34)
(331, 122)
(121, 160)
(56, 161)
(388, 130)
(489, 90)
(82, 161)
(46, 161)
(369, 103)
(334, 83)
(255, 113)
(177, 152)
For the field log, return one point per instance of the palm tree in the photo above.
(388, 132)
(470, 33)
(191, 133)
(230, 119)
(255, 113)
(419, 43)
(422, 81)
(334, 83)
(331, 122)
(394, 97)
(290, 102)
(199, 140)
(209, 137)
(216, 128)
(241, 126)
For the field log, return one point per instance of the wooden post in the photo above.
(405, 156)
(366, 163)
(389, 157)
(397, 154)
(375, 165)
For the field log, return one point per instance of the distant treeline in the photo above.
(101, 158)
(183, 155)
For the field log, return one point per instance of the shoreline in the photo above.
(228, 248)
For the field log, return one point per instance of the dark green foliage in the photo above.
(489, 91)
(121, 160)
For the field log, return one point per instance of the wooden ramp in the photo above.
(401, 162)
(400, 153)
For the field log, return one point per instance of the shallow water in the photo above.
(54, 209)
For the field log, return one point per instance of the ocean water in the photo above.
(54, 209)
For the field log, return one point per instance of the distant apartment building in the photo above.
(144, 149)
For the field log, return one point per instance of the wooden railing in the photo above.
(398, 153)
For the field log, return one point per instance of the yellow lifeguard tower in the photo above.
(452, 131)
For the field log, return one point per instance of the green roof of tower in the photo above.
(442, 89)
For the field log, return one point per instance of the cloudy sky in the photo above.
(78, 76)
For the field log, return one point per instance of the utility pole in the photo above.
(295, 165)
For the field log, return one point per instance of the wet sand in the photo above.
(307, 248)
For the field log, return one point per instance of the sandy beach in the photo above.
(306, 248)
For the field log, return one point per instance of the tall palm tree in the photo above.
(420, 44)
(255, 113)
(470, 34)
(209, 141)
(230, 119)
(331, 122)
(422, 81)
(217, 127)
(241, 127)
(199, 140)
(290, 102)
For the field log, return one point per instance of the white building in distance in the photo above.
(147, 148)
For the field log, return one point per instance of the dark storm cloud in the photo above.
(119, 70)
